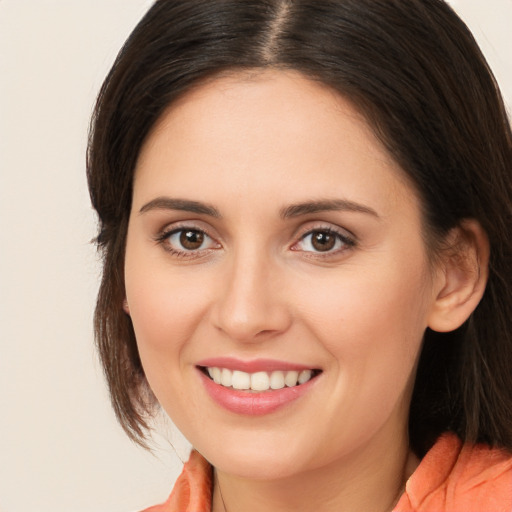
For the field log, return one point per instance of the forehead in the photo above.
(269, 131)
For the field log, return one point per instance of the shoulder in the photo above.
(455, 477)
(192, 490)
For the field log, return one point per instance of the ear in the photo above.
(464, 269)
(126, 308)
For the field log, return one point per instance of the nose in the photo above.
(251, 304)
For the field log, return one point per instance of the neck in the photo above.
(371, 481)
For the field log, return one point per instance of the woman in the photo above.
(304, 211)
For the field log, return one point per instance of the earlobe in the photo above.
(126, 308)
(464, 273)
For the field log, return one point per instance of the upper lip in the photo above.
(253, 366)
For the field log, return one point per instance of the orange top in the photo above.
(192, 491)
(452, 477)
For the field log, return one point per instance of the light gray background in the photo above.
(60, 447)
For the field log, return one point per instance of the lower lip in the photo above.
(254, 404)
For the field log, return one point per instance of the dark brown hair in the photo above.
(414, 71)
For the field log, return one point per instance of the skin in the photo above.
(250, 146)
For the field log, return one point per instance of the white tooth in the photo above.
(304, 376)
(241, 380)
(215, 374)
(290, 378)
(260, 381)
(226, 377)
(277, 380)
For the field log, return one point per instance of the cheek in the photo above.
(165, 307)
(163, 313)
(371, 320)
(372, 325)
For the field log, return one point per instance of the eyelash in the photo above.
(347, 242)
(162, 238)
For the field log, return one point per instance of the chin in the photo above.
(268, 466)
(262, 457)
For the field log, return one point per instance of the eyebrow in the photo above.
(184, 205)
(325, 205)
(291, 211)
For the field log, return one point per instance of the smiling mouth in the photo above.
(258, 381)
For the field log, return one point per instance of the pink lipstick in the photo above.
(255, 387)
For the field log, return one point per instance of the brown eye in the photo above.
(323, 240)
(191, 240)
(187, 241)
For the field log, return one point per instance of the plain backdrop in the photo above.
(61, 449)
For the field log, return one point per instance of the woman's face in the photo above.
(272, 237)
